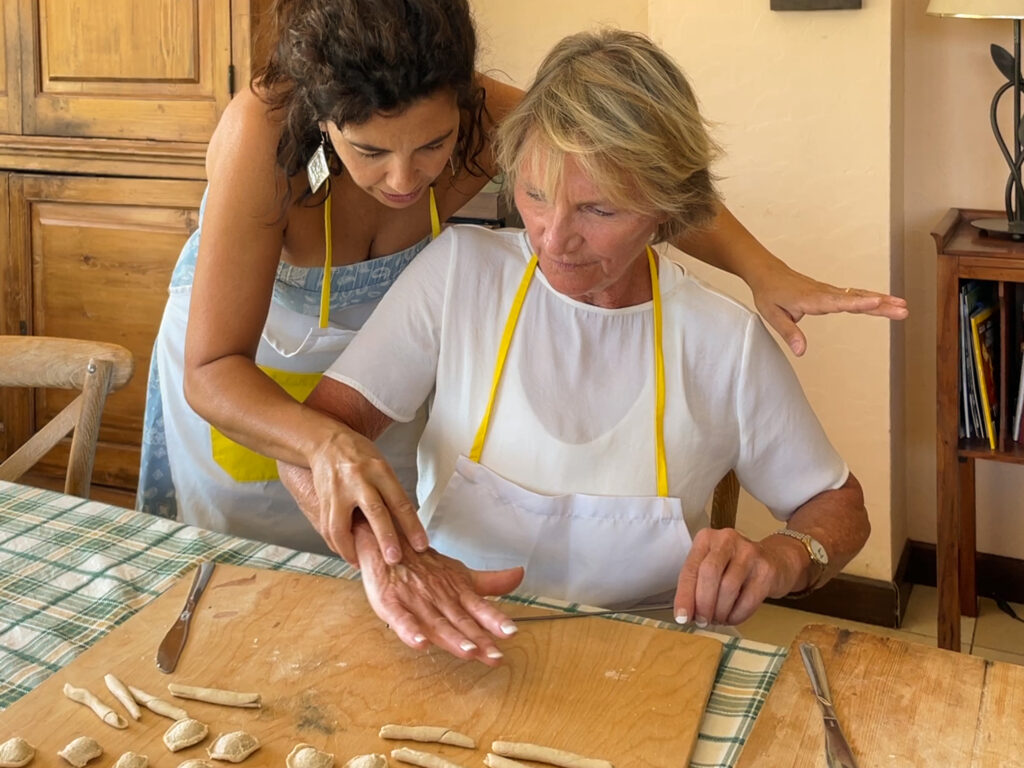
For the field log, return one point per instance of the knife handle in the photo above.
(202, 577)
(816, 672)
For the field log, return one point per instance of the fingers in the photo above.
(432, 599)
(686, 587)
(724, 579)
(785, 325)
(497, 582)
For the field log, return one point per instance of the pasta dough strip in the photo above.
(550, 755)
(103, 712)
(215, 695)
(422, 759)
(492, 760)
(432, 733)
(122, 694)
(153, 704)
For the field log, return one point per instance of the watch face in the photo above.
(819, 552)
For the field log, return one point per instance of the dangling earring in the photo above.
(451, 163)
(316, 168)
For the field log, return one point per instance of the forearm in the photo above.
(243, 403)
(838, 520)
(728, 245)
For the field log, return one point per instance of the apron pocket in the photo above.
(599, 550)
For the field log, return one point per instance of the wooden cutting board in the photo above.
(331, 674)
(900, 704)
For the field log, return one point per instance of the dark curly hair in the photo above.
(343, 61)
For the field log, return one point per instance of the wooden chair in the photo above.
(94, 368)
(725, 501)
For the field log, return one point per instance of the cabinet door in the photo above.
(91, 258)
(126, 69)
(10, 69)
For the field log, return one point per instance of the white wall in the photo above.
(802, 102)
(810, 109)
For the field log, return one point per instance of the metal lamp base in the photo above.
(1012, 229)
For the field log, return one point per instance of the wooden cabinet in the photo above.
(965, 253)
(105, 111)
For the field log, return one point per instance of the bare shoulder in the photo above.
(241, 160)
(500, 97)
(247, 127)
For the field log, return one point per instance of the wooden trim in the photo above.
(997, 576)
(105, 157)
(853, 598)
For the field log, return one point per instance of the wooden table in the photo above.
(900, 704)
(964, 252)
(73, 571)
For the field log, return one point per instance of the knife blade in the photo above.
(837, 749)
(169, 651)
(584, 614)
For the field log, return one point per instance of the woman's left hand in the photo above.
(726, 577)
(430, 598)
(784, 296)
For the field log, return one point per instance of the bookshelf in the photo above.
(965, 253)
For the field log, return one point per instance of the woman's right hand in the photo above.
(350, 475)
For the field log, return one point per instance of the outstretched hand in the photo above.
(429, 598)
(785, 297)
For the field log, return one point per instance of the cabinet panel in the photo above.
(10, 68)
(141, 69)
(99, 253)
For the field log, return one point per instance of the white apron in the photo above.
(611, 551)
(224, 486)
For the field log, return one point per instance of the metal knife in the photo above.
(169, 652)
(584, 614)
(837, 749)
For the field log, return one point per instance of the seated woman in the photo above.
(586, 395)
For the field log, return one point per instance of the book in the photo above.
(1019, 410)
(971, 293)
(983, 333)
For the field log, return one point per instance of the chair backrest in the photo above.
(725, 501)
(94, 368)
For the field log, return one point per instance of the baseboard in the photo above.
(856, 598)
(853, 598)
(884, 603)
(997, 576)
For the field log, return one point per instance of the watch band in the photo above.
(820, 560)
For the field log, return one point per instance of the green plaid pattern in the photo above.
(72, 570)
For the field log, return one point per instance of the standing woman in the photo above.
(366, 128)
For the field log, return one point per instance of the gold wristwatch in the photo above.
(817, 553)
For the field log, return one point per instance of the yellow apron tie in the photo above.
(506, 340)
(659, 369)
(435, 220)
(659, 380)
(325, 285)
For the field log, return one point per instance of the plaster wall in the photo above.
(803, 105)
(951, 161)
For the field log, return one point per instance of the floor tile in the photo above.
(997, 630)
(778, 625)
(996, 655)
(922, 615)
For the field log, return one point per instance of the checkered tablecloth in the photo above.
(72, 570)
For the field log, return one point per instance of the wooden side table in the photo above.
(965, 252)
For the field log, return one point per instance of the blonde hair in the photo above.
(625, 112)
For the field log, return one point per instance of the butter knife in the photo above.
(169, 652)
(584, 614)
(837, 749)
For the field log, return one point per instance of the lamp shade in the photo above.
(977, 9)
